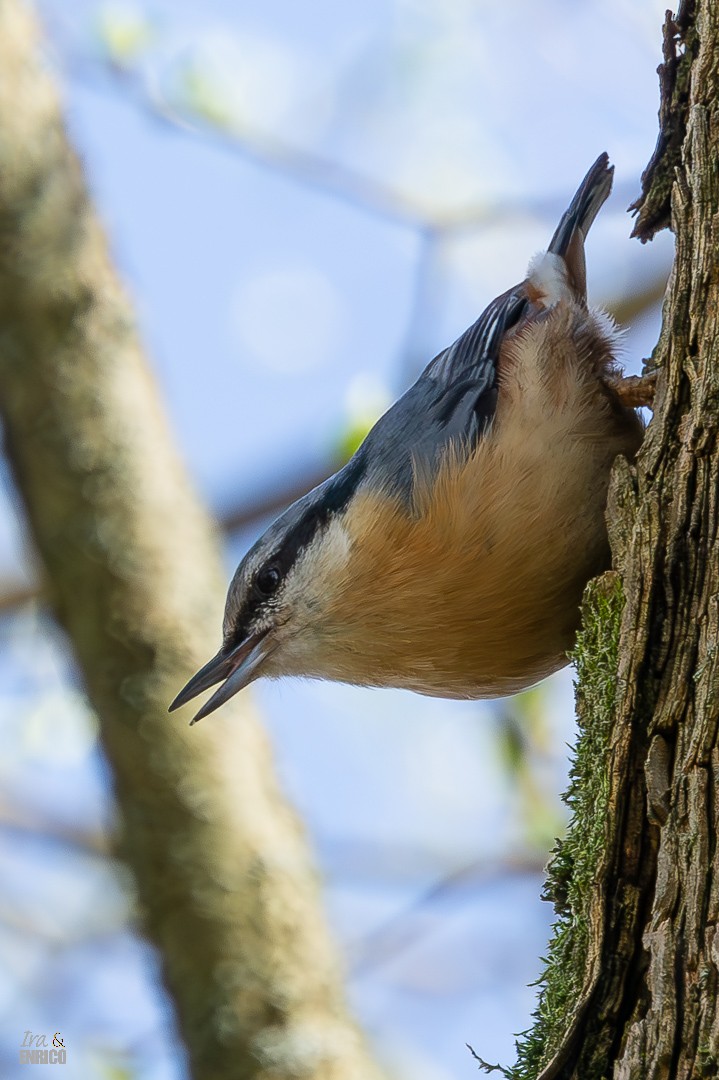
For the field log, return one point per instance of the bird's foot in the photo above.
(635, 391)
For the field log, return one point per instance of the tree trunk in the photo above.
(223, 874)
(630, 989)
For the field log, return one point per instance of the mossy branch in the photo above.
(572, 964)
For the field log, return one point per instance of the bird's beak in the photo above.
(237, 668)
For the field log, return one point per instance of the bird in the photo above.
(449, 555)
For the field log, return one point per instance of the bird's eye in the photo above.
(267, 581)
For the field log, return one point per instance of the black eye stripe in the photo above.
(311, 515)
(335, 498)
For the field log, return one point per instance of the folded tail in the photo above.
(548, 277)
(591, 194)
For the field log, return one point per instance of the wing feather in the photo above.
(465, 374)
(455, 398)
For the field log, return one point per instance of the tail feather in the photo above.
(568, 241)
(591, 194)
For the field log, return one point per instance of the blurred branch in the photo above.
(317, 170)
(635, 304)
(423, 308)
(366, 862)
(42, 925)
(223, 875)
(13, 596)
(276, 500)
(24, 822)
(398, 934)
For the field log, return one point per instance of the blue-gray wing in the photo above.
(464, 376)
(456, 396)
(453, 400)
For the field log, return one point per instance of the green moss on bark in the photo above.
(573, 870)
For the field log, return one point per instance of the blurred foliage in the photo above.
(524, 742)
(366, 400)
(125, 32)
(199, 91)
(110, 1070)
(351, 438)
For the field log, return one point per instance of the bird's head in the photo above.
(274, 614)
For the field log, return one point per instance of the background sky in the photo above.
(307, 202)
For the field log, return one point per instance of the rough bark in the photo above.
(223, 874)
(631, 985)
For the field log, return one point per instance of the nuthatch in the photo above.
(449, 555)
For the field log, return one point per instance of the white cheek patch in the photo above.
(547, 275)
(336, 546)
(320, 564)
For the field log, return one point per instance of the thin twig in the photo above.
(485, 1067)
